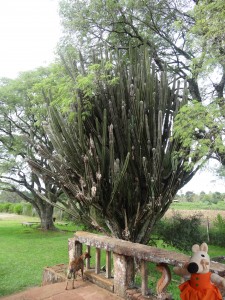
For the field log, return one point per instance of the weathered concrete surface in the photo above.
(84, 290)
(54, 274)
(135, 294)
(58, 274)
(100, 280)
(123, 274)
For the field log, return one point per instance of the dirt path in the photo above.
(210, 214)
(15, 217)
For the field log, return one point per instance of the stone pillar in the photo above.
(74, 248)
(123, 274)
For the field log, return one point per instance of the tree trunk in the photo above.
(46, 216)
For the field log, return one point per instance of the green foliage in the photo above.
(6, 207)
(28, 210)
(189, 196)
(206, 203)
(18, 208)
(24, 110)
(181, 232)
(209, 25)
(217, 232)
(90, 82)
(196, 129)
(220, 223)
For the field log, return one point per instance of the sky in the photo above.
(205, 180)
(29, 32)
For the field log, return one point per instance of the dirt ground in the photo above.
(14, 217)
(209, 215)
(5, 216)
(205, 214)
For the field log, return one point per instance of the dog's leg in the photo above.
(82, 273)
(73, 279)
(67, 278)
(66, 284)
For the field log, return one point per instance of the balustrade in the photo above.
(124, 253)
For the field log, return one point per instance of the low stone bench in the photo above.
(62, 224)
(30, 223)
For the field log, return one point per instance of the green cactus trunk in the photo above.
(119, 161)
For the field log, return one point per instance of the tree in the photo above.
(9, 197)
(201, 196)
(187, 35)
(189, 196)
(163, 25)
(22, 109)
(216, 197)
(210, 27)
(116, 161)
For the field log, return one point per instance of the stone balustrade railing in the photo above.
(124, 254)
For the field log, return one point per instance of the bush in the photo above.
(18, 208)
(27, 209)
(217, 233)
(11, 208)
(1, 207)
(6, 207)
(181, 232)
(219, 223)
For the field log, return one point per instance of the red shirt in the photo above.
(199, 287)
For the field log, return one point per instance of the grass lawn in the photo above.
(198, 205)
(25, 251)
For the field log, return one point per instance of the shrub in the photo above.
(27, 209)
(6, 207)
(181, 232)
(219, 223)
(217, 232)
(18, 208)
(1, 207)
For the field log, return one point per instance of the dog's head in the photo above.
(86, 255)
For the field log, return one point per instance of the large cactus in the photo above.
(118, 164)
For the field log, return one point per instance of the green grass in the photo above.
(198, 205)
(25, 251)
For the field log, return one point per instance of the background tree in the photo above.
(189, 196)
(201, 196)
(9, 197)
(22, 110)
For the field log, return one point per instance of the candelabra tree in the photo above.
(117, 162)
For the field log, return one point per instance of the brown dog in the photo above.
(74, 266)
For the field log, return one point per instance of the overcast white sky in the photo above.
(29, 32)
(206, 181)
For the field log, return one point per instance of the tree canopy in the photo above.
(23, 108)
